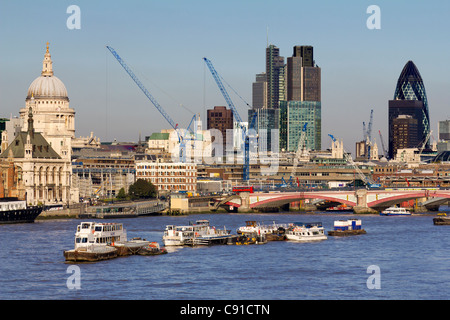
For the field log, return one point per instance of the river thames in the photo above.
(399, 258)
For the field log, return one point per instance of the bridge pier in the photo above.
(245, 202)
(361, 203)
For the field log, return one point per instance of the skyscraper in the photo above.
(259, 91)
(410, 99)
(303, 76)
(303, 101)
(274, 74)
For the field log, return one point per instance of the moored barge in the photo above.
(101, 241)
(13, 210)
(441, 221)
(347, 228)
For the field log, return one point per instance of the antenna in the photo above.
(267, 36)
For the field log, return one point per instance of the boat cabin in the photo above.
(90, 233)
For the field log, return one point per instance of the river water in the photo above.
(399, 258)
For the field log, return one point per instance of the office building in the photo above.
(404, 129)
(168, 177)
(293, 117)
(221, 118)
(275, 76)
(444, 136)
(259, 91)
(303, 76)
(303, 101)
(410, 99)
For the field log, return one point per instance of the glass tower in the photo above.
(293, 116)
(410, 87)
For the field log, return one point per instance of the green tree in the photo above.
(121, 195)
(142, 189)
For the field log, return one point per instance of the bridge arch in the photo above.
(398, 198)
(277, 201)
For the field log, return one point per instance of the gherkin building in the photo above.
(410, 87)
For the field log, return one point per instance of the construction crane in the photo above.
(368, 136)
(299, 152)
(383, 146)
(245, 136)
(369, 126)
(182, 156)
(366, 180)
(425, 142)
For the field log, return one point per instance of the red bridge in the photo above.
(361, 199)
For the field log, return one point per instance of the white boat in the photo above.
(312, 231)
(183, 235)
(258, 228)
(94, 233)
(99, 241)
(395, 211)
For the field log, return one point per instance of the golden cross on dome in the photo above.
(47, 46)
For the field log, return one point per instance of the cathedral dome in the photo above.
(47, 86)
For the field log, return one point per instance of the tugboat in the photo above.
(152, 249)
(13, 210)
(347, 228)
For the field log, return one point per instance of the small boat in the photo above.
(340, 208)
(151, 249)
(300, 231)
(13, 210)
(347, 228)
(441, 221)
(395, 211)
(199, 232)
(273, 232)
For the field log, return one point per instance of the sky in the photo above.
(164, 42)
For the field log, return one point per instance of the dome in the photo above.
(47, 87)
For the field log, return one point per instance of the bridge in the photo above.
(362, 200)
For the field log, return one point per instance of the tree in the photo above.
(121, 195)
(142, 189)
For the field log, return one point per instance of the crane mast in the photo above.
(245, 137)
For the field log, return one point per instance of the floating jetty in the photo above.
(116, 211)
(92, 254)
(350, 227)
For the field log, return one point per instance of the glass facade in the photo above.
(293, 116)
(410, 87)
(266, 121)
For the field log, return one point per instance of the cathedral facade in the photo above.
(37, 164)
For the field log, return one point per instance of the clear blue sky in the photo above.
(164, 42)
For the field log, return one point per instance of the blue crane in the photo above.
(245, 137)
(366, 180)
(155, 103)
